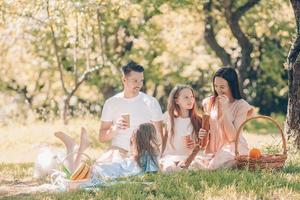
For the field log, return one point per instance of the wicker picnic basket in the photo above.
(265, 161)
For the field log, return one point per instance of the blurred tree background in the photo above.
(62, 58)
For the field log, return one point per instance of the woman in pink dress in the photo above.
(227, 110)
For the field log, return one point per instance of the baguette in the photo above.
(83, 173)
(88, 174)
(80, 172)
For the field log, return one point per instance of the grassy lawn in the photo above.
(16, 171)
(220, 184)
(263, 126)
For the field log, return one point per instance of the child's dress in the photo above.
(220, 151)
(176, 150)
(122, 168)
(126, 167)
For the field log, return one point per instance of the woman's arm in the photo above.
(232, 123)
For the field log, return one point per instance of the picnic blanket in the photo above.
(103, 174)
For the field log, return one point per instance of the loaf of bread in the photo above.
(81, 172)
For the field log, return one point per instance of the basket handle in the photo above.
(257, 117)
(76, 152)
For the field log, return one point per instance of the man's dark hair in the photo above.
(132, 66)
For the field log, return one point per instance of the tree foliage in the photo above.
(66, 55)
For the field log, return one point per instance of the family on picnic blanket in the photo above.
(143, 139)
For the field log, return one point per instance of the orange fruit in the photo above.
(255, 153)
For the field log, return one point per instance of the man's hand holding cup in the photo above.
(123, 122)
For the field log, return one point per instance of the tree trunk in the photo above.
(65, 111)
(292, 125)
(210, 36)
(243, 63)
(233, 19)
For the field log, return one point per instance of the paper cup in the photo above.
(186, 139)
(126, 117)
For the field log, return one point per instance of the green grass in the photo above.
(262, 126)
(193, 185)
(16, 171)
(222, 184)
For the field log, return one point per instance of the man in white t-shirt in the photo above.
(125, 111)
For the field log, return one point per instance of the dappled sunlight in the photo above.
(33, 137)
(60, 61)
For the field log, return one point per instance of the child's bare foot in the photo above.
(84, 140)
(67, 140)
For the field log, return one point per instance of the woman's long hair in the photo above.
(230, 75)
(174, 111)
(145, 141)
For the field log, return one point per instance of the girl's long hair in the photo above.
(174, 111)
(145, 141)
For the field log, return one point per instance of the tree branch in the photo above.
(87, 47)
(100, 36)
(83, 77)
(244, 8)
(20, 90)
(25, 15)
(210, 37)
(232, 19)
(56, 52)
(75, 49)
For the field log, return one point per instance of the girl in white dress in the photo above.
(182, 122)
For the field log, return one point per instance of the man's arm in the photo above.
(106, 132)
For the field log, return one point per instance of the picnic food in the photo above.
(81, 172)
(254, 153)
(205, 121)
